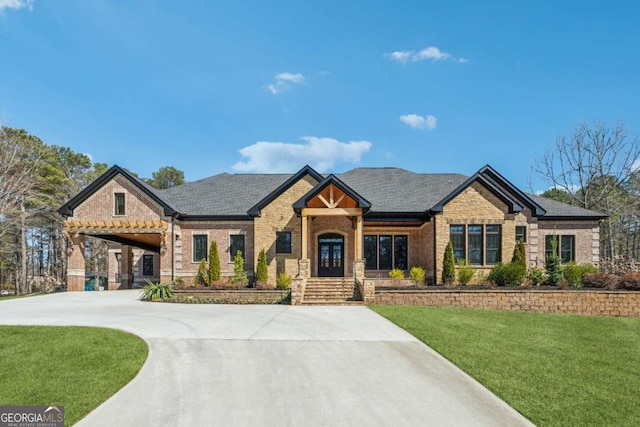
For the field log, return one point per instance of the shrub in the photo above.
(202, 276)
(239, 275)
(520, 254)
(156, 291)
(396, 274)
(600, 280)
(214, 263)
(573, 273)
(283, 281)
(629, 281)
(507, 274)
(262, 271)
(465, 272)
(552, 264)
(417, 274)
(536, 276)
(448, 266)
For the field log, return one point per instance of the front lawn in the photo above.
(75, 367)
(557, 370)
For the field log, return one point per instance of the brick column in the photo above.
(358, 270)
(75, 263)
(126, 265)
(165, 265)
(113, 271)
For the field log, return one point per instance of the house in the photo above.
(357, 224)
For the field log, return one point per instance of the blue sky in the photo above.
(229, 86)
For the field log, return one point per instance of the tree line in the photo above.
(37, 178)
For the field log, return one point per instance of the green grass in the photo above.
(7, 297)
(557, 370)
(76, 367)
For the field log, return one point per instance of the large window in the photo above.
(494, 243)
(482, 244)
(147, 265)
(118, 208)
(237, 244)
(565, 246)
(283, 242)
(200, 247)
(521, 233)
(371, 252)
(386, 252)
(456, 233)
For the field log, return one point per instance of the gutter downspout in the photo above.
(173, 240)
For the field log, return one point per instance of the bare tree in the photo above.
(594, 166)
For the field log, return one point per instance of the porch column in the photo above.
(75, 263)
(126, 263)
(113, 270)
(357, 244)
(305, 233)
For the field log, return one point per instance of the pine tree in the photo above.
(214, 263)
(520, 254)
(448, 266)
(262, 271)
(552, 264)
(202, 276)
(239, 275)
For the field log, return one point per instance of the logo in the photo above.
(31, 416)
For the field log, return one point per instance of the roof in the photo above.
(390, 192)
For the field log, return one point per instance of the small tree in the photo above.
(239, 275)
(262, 271)
(214, 263)
(202, 276)
(520, 254)
(552, 264)
(448, 266)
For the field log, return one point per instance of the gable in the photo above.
(331, 193)
(476, 201)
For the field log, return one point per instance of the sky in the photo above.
(269, 86)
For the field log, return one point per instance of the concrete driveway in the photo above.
(232, 365)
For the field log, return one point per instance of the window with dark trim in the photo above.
(200, 243)
(386, 252)
(119, 207)
(521, 233)
(400, 252)
(474, 256)
(493, 235)
(283, 242)
(371, 252)
(565, 246)
(147, 265)
(237, 244)
(456, 235)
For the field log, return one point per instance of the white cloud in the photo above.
(284, 81)
(419, 122)
(433, 53)
(280, 157)
(16, 4)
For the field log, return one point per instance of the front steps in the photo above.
(331, 291)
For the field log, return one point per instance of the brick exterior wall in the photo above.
(589, 302)
(587, 234)
(279, 216)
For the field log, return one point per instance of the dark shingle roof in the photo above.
(392, 190)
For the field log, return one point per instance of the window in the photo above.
(456, 234)
(400, 252)
(147, 265)
(385, 256)
(386, 252)
(494, 247)
(283, 242)
(566, 249)
(482, 244)
(521, 233)
(475, 244)
(200, 247)
(118, 208)
(237, 244)
(371, 252)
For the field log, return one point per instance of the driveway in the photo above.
(260, 365)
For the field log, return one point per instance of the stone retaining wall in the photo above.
(588, 302)
(233, 296)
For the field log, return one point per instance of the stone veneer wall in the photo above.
(279, 216)
(586, 302)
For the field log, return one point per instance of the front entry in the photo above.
(331, 255)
